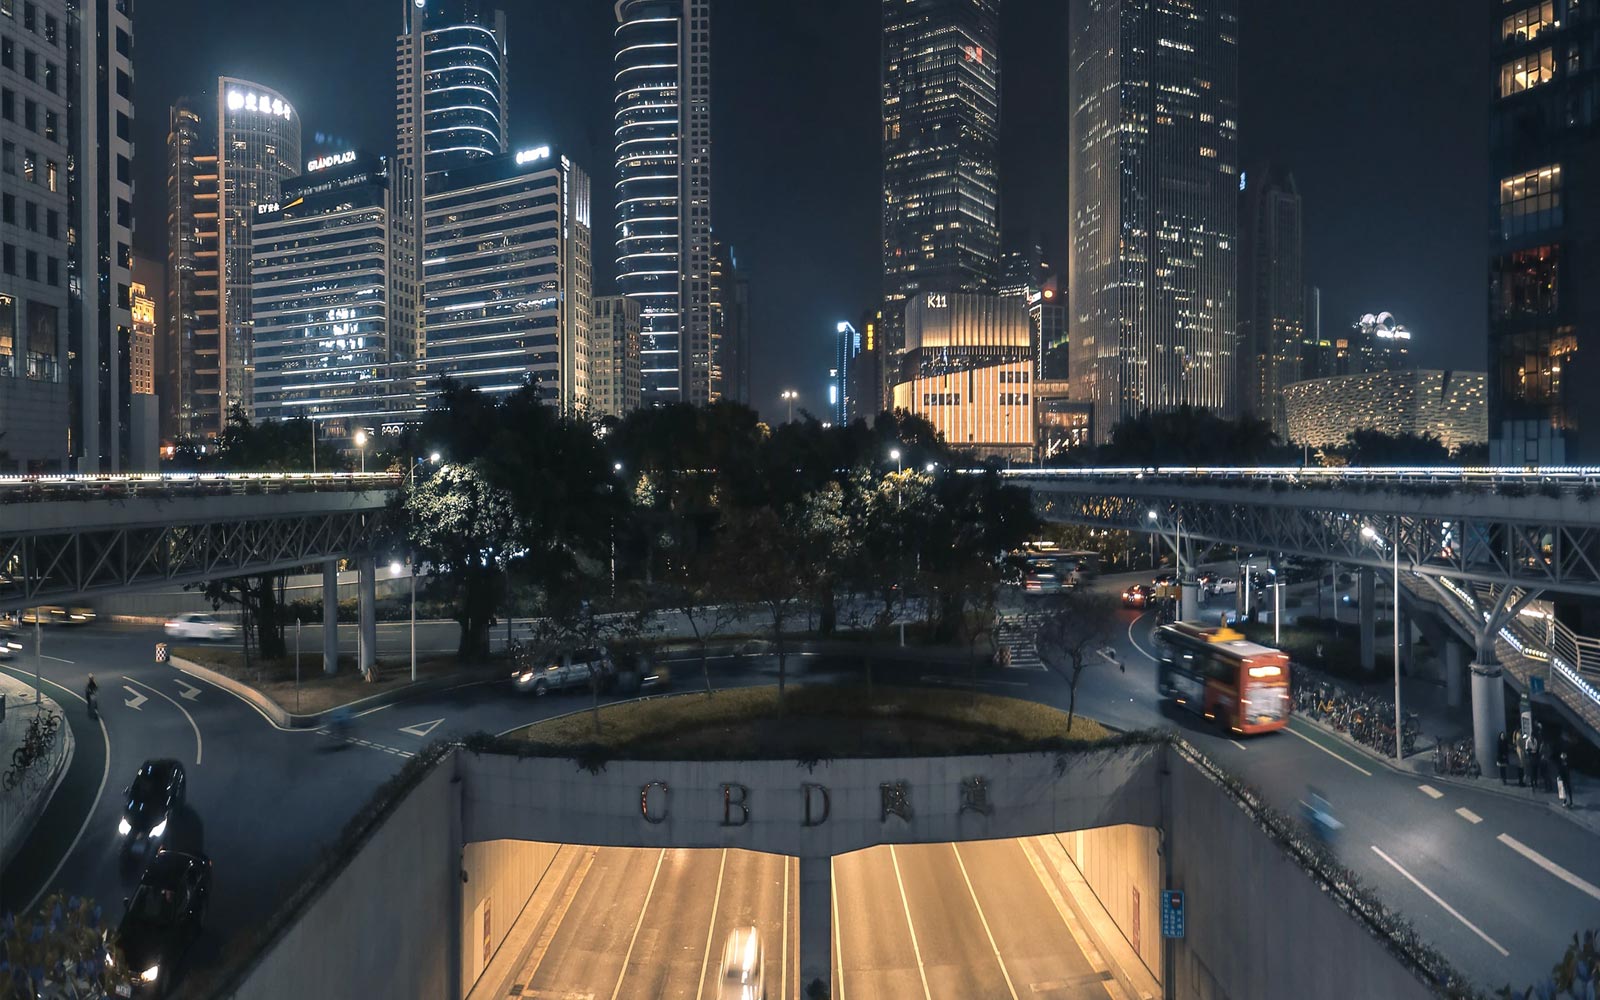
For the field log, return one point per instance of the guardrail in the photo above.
(1565, 477)
(38, 489)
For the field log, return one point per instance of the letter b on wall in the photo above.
(735, 805)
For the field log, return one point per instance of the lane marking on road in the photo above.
(984, 921)
(1445, 906)
(783, 963)
(252, 706)
(905, 904)
(541, 947)
(628, 957)
(137, 701)
(1236, 743)
(838, 936)
(1341, 759)
(1430, 791)
(1469, 815)
(421, 728)
(1582, 885)
(58, 659)
(105, 772)
(189, 692)
(199, 745)
(711, 928)
(966, 683)
(1135, 642)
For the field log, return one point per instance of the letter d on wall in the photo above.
(813, 792)
(659, 815)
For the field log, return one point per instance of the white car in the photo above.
(201, 626)
(742, 961)
(1225, 585)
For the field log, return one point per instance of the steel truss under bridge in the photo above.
(1542, 534)
(67, 539)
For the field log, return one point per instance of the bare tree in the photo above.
(1074, 637)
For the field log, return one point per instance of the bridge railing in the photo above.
(1497, 478)
(37, 489)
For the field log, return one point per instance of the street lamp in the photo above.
(1378, 542)
(361, 445)
(894, 453)
(930, 467)
(433, 458)
(1277, 606)
(789, 396)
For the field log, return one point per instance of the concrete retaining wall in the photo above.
(500, 878)
(1122, 865)
(385, 925)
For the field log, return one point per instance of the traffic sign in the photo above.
(1172, 913)
(161, 652)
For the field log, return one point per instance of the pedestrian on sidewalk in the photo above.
(1522, 761)
(1501, 749)
(1533, 759)
(1564, 780)
(1547, 769)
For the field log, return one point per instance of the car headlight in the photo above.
(158, 829)
(150, 975)
(123, 828)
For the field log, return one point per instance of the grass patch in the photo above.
(316, 691)
(817, 723)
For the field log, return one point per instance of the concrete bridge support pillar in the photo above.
(816, 924)
(368, 571)
(1488, 712)
(330, 618)
(1368, 611)
(1455, 673)
(1189, 607)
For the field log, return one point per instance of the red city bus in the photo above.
(1218, 673)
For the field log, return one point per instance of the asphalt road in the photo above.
(1497, 883)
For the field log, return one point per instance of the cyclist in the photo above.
(91, 692)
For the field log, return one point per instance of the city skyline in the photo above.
(811, 260)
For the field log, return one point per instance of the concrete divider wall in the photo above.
(386, 924)
(500, 878)
(1258, 925)
(1122, 866)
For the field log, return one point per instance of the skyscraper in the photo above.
(614, 356)
(508, 286)
(1153, 186)
(450, 109)
(730, 326)
(192, 353)
(941, 126)
(1544, 304)
(1273, 347)
(663, 135)
(841, 378)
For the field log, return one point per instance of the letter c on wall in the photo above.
(660, 815)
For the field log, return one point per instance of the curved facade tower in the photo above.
(663, 134)
(450, 110)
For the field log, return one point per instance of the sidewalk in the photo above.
(20, 807)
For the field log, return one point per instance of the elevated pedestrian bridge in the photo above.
(65, 539)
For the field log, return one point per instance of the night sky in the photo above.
(1379, 109)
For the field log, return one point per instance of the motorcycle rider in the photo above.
(91, 693)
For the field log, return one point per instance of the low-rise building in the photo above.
(1450, 405)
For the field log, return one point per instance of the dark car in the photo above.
(163, 917)
(149, 803)
(1137, 596)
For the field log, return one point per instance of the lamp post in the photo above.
(894, 453)
(1277, 606)
(789, 396)
(617, 468)
(1377, 540)
(361, 446)
(411, 555)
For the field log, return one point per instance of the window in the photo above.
(29, 160)
(1530, 202)
(8, 209)
(1527, 72)
(124, 213)
(31, 271)
(52, 177)
(9, 261)
(8, 158)
(8, 53)
(124, 85)
(124, 170)
(30, 212)
(124, 127)
(8, 104)
(51, 74)
(50, 123)
(124, 43)
(52, 223)
(30, 64)
(30, 15)
(30, 115)
(52, 271)
(1526, 283)
(50, 29)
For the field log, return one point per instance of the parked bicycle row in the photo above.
(1367, 719)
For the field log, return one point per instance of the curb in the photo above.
(1480, 784)
(284, 719)
(21, 827)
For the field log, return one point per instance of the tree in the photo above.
(702, 591)
(1188, 435)
(569, 623)
(467, 529)
(759, 547)
(58, 952)
(1374, 447)
(1072, 636)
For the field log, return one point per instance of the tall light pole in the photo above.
(412, 556)
(894, 453)
(361, 446)
(1394, 616)
(789, 396)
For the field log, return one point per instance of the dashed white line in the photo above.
(1445, 906)
(1582, 885)
(916, 949)
(1469, 815)
(1236, 743)
(1430, 791)
(1346, 762)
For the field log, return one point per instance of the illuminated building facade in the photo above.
(865, 378)
(450, 109)
(1450, 405)
(941, 128)
(730, 326)
(614, 361)
(1273, 344)
(663, 147)
(507, 297)
(142, 353)
(841, 380)
(322, 298)
(1153, 191)
(192, 355)
(1377, 342)
(1047, 314)
(967, 367)
(1544, 303)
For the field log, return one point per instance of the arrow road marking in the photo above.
(189, 692)
(199, 745)
(421, 728)
(137, 700)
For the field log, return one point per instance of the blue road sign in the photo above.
(1172, 913)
